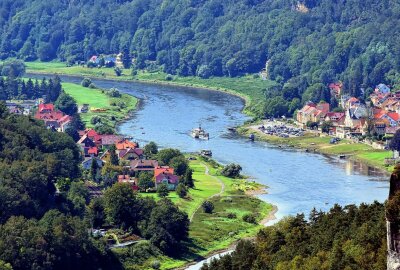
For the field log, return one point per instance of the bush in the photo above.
(231, 170)
(208, 207)
(118, 71)
(169, 77)
(114, 92)
(95, 119)
(86, 82)
(162, 190)
(181, 190)
(231, 215)
(155, 265)
(92, 86)
(249, 218)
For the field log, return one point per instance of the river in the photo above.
(297, 181)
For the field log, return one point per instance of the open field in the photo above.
(212, 232)
(98, 99)
(248, 87)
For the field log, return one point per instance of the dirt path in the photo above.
(207, 172)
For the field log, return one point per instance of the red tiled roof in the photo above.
(49, 107)
(93, 150)
(125, 144)
(394, 116)
(163, 169)
(92, 133)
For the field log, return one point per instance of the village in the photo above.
(372, 122)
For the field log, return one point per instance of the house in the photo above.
(336, 118)
(354, 116)
(379, 127)
(382, 88)
(53, 118)
(170, 180)
(125, 144)
(336, 88)
(128, 180)
(87, 163)
(143, 165)
(131, 154)
(106, 140)
(312, 113)
(119, 63)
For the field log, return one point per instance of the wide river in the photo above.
(297, 181)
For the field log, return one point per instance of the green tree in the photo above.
(167, 227)
(96, 213)
(146, 181)
(188, 178)
(150, 149)
(181, 190)
(121, 206)
(180, 165)
(114, 160)
(93, 169)
(66, 104)
(208, 207)
(164, 156)
(162, 190)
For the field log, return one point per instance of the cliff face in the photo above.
(393, 224)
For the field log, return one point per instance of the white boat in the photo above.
(199, 133)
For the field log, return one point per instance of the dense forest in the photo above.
(344, 238)
(46, 212)
(307, 43)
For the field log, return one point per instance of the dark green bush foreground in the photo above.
(343, 238)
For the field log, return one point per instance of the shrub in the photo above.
(114, 92)
(208, 207)
(231, 215)
(231, 170)
(155, 265)
(249, 218)
(86, 82)
(162, 190)
(92, 86)
(181, 190)
(169, 77)
(95, 119)
(118, 71)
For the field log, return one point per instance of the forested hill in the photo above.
(316, 41)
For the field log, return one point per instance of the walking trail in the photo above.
(207, 172)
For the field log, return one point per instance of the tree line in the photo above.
(350, 237)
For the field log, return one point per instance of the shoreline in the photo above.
(246, 130)
(246, 99)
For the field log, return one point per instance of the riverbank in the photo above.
(110, 110)
(211, 234)
(249, 88)
(313, 143)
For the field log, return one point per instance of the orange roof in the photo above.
(394, 116)
(49, 107)
(163, 169)
(92, 133)
(93, 150)
(125, 144)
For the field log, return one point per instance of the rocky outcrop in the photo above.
(393, 226)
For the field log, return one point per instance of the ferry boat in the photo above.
(207, 153)
(199, 133)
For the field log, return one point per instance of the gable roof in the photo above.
(172, 178)
(163, 169)
(144, 164)
(125, 144)
(46, 107)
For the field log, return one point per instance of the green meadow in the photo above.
(209, 233)
(98, 99)
(248, 87)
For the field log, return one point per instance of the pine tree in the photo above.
(113, 155)
(126, 58)
(29, 89)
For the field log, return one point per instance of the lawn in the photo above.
(98, 99)
(248, 87)
(211, 232)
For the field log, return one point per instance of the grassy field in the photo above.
(313, 143)
(248, 87)
(211, 232)
(98, 99)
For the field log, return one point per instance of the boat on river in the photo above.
(206, 153)
(199, 133)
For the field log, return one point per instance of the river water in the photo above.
(297, 181)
